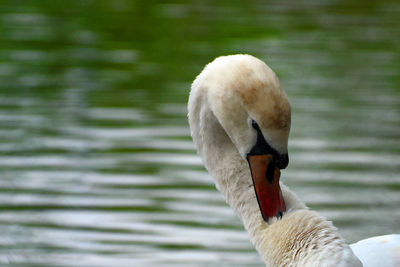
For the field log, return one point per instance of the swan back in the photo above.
(379, 251)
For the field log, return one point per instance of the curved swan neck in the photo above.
(300, 238)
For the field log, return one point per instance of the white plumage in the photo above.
(379, 251)
(228, 94)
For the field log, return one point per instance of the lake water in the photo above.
(97, 167)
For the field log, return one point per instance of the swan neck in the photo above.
(304, 238)
(300, 238)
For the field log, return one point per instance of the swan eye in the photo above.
(255, 125)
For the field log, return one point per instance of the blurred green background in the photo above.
(97, 167)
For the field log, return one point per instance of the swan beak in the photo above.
(265, 177)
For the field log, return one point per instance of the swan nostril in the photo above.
(279, 214)
(270, 172)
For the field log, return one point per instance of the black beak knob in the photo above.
(282, 161)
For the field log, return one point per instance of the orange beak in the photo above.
(265, 177)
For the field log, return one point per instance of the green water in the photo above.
(97, 167)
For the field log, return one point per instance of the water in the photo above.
(97, 167)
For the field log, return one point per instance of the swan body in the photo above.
(234, 102)
(378, 251)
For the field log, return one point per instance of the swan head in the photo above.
(246, 98)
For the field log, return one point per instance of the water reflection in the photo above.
(97, 165)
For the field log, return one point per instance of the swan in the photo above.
(239, 119)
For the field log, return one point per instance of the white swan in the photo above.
(239, 118)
